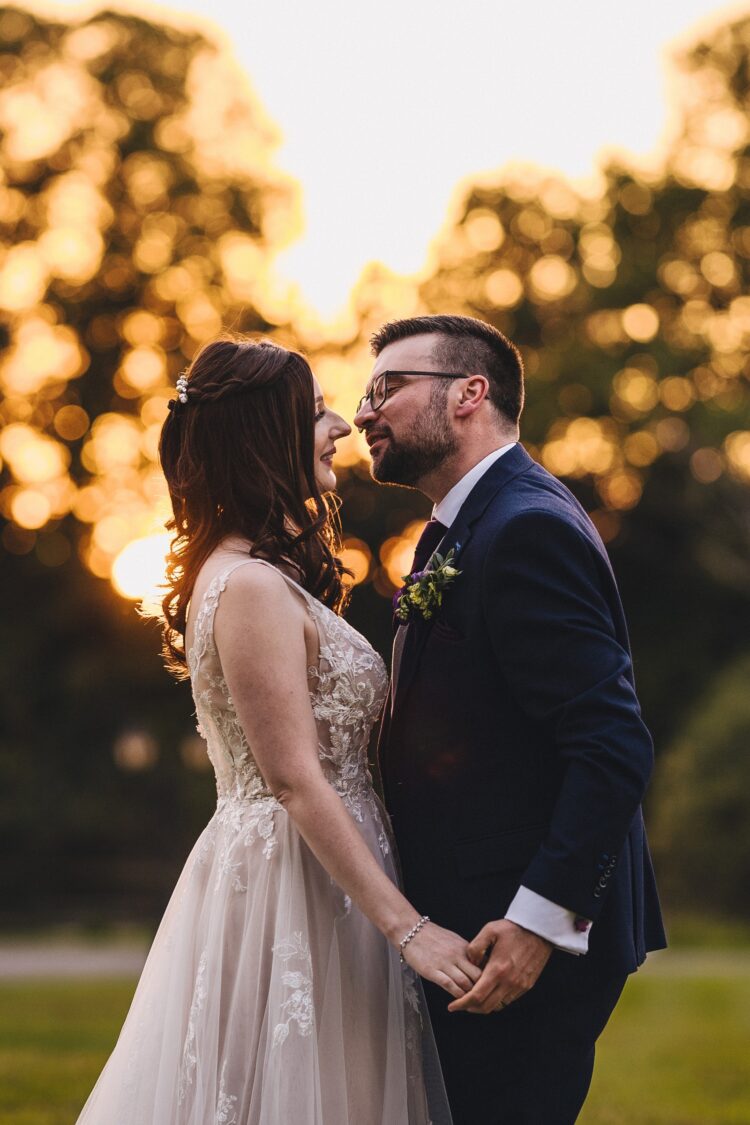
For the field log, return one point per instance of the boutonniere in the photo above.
(422, 591)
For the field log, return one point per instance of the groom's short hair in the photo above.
(469, 345)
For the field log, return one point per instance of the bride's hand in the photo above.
(439, 955)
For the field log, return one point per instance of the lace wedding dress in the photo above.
(267, 997)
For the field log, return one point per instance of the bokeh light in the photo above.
(141, 211)
(138, 569)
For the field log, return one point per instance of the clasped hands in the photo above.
(502, 963)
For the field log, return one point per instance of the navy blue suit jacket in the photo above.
(516, 752)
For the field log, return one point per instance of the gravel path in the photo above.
(80, 959)
(70, 960)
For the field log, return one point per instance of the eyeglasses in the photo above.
(380, 389)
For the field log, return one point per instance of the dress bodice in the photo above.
(347, 690)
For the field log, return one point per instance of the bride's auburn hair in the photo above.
(239, 459)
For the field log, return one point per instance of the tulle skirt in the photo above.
(268, 998)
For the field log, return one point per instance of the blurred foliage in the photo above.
(701, 801)
(139, 213)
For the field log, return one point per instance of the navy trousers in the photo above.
(531, 1063)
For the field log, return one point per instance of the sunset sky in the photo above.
(384, 110)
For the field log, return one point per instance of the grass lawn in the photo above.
(677, 1051)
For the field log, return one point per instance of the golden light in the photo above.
(114, 442)
(71, 253)
(193, 753)
(635, 390)
(503, 288)
(139, 569)
(144, 368)
(40, 114)
(135, 750)
(677, 393)
(30, 508)
(200, 316)
(242, 263)
(672, 434)
(41, 353)
(737, 449)
(636, 198)
(147, 178)
(604, 328)
(111, 533)
(142, 328)
(552, 278)
(641, 322)
(706, 465)
(559, 458)
(89, 503)
(71, 422)
(679, 276)
(641, 448)
(718, 268)
(484, 230)
(601, 254)
(154, 409)
(621, 490)
(581, 446)
(153, 252)
(532, 224)
(12, 205)
(150, 441)
(86, 43)
(23, 278)
(357, 557)
(32, 456)
(396, 553)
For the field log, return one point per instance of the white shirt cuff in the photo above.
(549, 921)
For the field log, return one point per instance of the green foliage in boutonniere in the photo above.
(422, 591)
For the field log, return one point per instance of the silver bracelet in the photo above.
(411, 934)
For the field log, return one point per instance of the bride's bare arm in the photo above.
(260, 635)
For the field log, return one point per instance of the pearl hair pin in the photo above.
(182, 386)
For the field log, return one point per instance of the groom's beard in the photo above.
(409, 460)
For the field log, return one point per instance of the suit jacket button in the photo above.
(597, 893)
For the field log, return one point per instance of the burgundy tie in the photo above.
(432, 533)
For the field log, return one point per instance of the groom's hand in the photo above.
(514, 960)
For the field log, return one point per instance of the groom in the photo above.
(513, 753)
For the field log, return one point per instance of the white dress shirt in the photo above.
(528, 909)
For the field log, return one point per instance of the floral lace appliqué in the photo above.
(189, 1053)
(298, 1006)
(226, 1102)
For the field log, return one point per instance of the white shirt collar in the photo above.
(448, 508)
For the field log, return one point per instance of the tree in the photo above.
(701, 801)
(138, 211)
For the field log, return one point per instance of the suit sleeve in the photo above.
(554, 637)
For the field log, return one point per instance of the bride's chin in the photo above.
(326, 481)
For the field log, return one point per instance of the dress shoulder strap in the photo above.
(203, 637)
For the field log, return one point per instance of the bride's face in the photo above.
(329, 427)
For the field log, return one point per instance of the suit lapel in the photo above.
(510, 465)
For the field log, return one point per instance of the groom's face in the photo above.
(410, 434)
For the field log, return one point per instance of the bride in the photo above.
(281, 987)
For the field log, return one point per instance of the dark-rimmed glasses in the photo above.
(379, 391)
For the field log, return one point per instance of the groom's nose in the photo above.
(363, 414)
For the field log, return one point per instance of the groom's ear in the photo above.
(472, 392)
